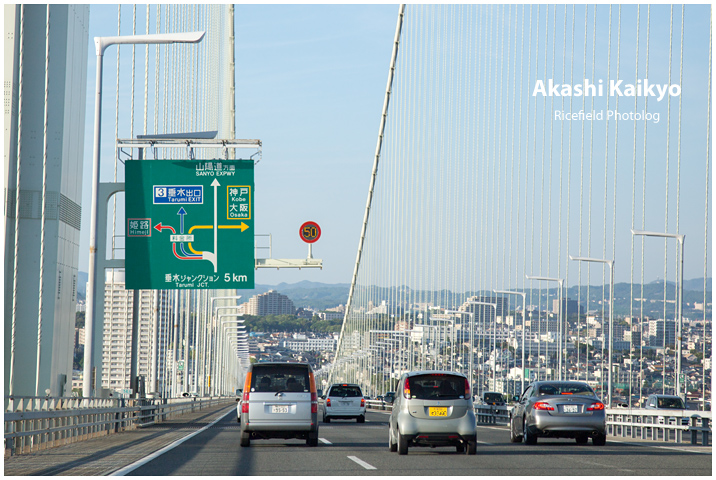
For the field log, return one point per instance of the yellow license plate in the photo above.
(437, 411)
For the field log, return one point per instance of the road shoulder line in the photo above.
(133, 466)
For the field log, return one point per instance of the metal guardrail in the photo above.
(36, 423)
(643, 424)
(647, 424)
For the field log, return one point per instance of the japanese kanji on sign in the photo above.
(189, 224)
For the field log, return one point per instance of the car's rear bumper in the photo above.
(345, 412)
(568, 426)
(465, 426)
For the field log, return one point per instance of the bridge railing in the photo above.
(644, 424)
(35, 423)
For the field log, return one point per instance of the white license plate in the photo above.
(279, 408)
(571, 409)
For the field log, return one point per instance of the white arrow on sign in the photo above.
(211, 256)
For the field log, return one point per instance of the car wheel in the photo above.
(402, 444)
(361, 419)
(460, 448)
(326, 419)
(245, 439)
(393, 447)
(312, 439)
(471, 447)
(581, 439)
(599, 440)
(529, 438)
(514, 438)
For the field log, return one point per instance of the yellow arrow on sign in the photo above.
(242, 226)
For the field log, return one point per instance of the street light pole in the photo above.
(679, 238)
(524, 313)
(560, 281)
(494, 340)
(610, 263)
(472, 333)
(101, 43)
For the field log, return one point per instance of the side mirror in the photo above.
(323, 397)
(515, 398)
(238, 399)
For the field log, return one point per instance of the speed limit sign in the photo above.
(310, 232)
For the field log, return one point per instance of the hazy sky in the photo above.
(310, 84)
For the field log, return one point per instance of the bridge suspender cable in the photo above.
(376, 160)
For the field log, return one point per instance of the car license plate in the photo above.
(279, 408)
(437, 411)
(571, 409)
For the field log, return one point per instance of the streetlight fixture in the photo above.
(680, 239)
(494, 335)
(524, 313)
(101, 43)
(610, 263)
(472, 333)
(560, 281)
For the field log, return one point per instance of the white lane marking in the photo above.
(678, 449)
(325, 441)
(484, 443)
(363, 464)
(131, 467)
(605, 466)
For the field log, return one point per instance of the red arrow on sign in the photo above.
(161, 227)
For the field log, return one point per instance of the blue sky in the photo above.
(310, 84)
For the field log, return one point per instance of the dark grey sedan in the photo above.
(558, 409)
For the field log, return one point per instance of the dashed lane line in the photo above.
(363, 464)
(325, 441)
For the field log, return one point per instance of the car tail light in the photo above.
(245, 395)
(328, 402)
(362, 402)
(542, 406)
(314, 394)
(595, 406)
(467, 388)
(406, 388)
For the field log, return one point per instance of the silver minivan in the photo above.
(433, 409)
(279, 400)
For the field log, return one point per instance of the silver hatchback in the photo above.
(433, 409)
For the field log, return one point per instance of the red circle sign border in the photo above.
(300, 232)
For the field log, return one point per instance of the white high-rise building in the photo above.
(45, 96)
(270, 303)
(117, 347)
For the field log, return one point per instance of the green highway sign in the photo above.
(190, 224)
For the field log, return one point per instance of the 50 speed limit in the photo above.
(310, 232)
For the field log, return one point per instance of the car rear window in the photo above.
(493, 397)
(565, 389)
(345, 391)
(279, 378)
(436, 386)
(670, 403)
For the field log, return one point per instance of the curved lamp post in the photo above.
(560, 281)
(101, 44)
(524, 313)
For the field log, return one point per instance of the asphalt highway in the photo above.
(349, 448)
